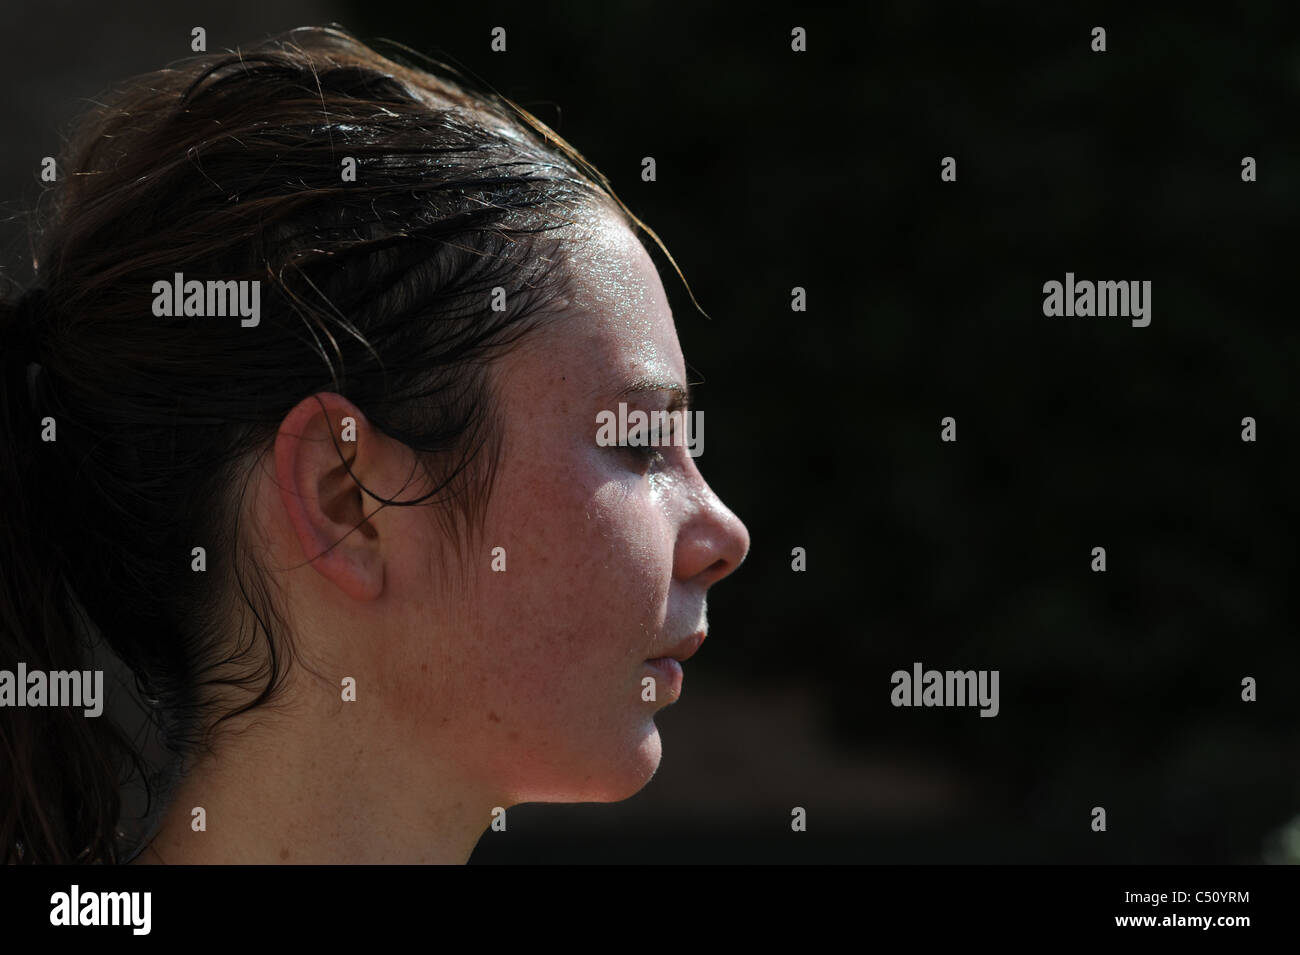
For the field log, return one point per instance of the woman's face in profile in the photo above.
(531, 679)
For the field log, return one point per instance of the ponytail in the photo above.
(59, 782)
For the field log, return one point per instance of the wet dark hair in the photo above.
(229, 167)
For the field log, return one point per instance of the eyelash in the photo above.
(648, 455)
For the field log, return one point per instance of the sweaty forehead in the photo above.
(619, 320)
(612, 272)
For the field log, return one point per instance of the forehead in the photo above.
(618, 325)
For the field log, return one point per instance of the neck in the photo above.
(284, 793)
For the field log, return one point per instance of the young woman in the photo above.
(301, 416)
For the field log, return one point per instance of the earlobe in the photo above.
(325, 508)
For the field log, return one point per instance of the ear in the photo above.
(324, 506)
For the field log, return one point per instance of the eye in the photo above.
(646, 456)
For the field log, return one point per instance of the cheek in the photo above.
(543, 663)
(583, 592)
(636, 565)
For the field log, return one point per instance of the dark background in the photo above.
(821, 169)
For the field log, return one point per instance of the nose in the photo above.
(713, 542)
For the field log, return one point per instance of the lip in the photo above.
(683, 649)
(670, 677)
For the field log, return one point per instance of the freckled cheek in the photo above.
(638, 544)
(559, 631)
(558, 628)
(561, 657)
(534, 640)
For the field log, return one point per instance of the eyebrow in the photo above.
(681, 393)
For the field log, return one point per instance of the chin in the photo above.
(612, 776)
(639, 768)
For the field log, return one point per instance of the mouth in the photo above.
(669, 666)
